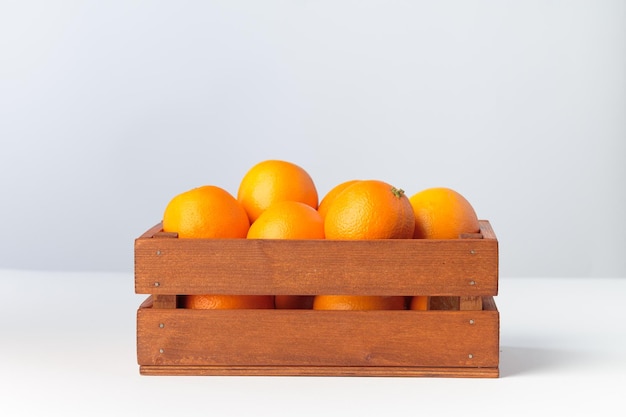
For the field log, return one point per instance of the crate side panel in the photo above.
(317, 338)
(308, 267)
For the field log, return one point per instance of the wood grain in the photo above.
(317, 338)
(470, 303)
(164, 301)
(487, 230)
(309, 267)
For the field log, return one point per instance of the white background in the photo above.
(109, 109)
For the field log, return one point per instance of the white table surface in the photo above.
(67, 347)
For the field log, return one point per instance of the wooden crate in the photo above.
(458, 342)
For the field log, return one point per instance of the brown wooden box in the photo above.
(459, 342)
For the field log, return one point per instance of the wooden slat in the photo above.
(164, 301)
(310, 267)
(486, 230)
(449, 303)
(470, 236)
(148, 234)
(489, 304)
(147, 303)
(228, 338)
(370, 371)
(169, 235)
(470, 303)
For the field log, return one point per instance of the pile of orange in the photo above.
(279, 200)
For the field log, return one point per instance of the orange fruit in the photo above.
(331, 195)
(294, 301)
(206, 212)
(442, 213)
(358, 302)
(271, 181)
(419, 302)
(370, 209)
(225, 302)
(288, 220)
